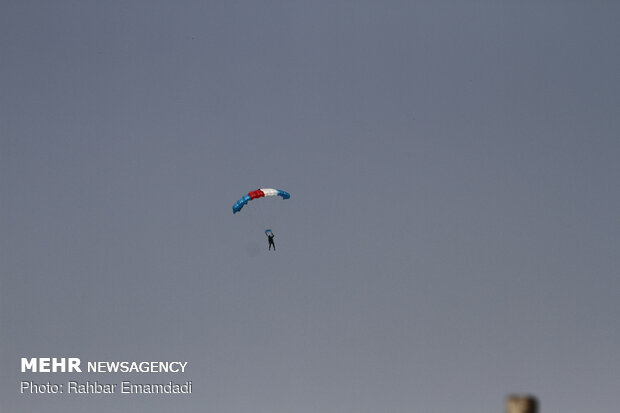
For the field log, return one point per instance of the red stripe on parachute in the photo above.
(256, 194)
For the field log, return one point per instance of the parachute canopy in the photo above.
(259, 193)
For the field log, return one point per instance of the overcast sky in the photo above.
(452, 236)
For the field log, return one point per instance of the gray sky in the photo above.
(452, 234)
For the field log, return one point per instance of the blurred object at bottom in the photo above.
(521, 404)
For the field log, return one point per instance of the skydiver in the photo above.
(270, 237)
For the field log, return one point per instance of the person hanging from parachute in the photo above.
(270, 237)
(259, 193)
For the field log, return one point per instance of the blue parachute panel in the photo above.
(240, 203)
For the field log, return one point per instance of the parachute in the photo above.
(259, 193)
